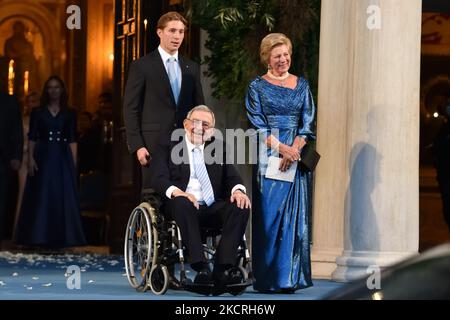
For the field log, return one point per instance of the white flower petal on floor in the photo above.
(113, 262)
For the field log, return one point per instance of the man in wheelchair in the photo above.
(202, 193)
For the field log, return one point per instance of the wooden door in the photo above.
(125, 173)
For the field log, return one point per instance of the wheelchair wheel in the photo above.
(140, 246)
(159, 279)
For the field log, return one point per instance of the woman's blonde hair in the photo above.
(271, 41)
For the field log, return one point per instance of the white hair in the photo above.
(202, 107)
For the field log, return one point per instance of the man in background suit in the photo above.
(200, 193)
(161, 89)
(11, 146)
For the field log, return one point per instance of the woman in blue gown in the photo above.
(50, 214)
(280, 106)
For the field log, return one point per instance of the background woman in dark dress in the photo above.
(50, 214)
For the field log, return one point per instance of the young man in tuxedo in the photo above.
(161, 89)
(202, 193)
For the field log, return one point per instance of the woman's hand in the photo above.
(299, 143)
(290, 153)
(285, 164)
(32, 166)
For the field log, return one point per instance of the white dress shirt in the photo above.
(165, 56)
(194, 187)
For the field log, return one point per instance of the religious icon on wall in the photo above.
(20, 54)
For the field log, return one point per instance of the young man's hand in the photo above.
(143, 156)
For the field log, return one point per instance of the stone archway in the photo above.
(45, 21)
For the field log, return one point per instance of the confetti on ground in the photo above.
(19, 262)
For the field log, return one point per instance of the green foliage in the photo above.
(236, 28)
(231, 25)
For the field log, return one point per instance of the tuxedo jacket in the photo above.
(11, 132)
(165, 173)
(149, 109)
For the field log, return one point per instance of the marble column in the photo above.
(366, 196)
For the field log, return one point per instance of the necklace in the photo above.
(282, 79)
(53, 111)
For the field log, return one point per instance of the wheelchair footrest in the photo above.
(211, 289)
(204, 289)
(234, 289)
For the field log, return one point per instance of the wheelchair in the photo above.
(153, 246)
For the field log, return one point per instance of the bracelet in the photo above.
(276, 147)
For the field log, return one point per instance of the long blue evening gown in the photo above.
(50, 214)
(281, 210)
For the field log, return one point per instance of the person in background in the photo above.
(31, 102)
(442, 156)
(89, 144)
(11, 145)
(105, 107)
(102, 129)
(50, 215)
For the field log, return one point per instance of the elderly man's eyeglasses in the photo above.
(205, 125)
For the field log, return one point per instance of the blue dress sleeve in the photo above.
(254, 110)
(307, 125)
(33, 125)
(72, 127)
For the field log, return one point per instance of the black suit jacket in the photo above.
(149, 105)
(11, 132)
(165, 173)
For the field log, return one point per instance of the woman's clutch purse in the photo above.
(309, 158)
